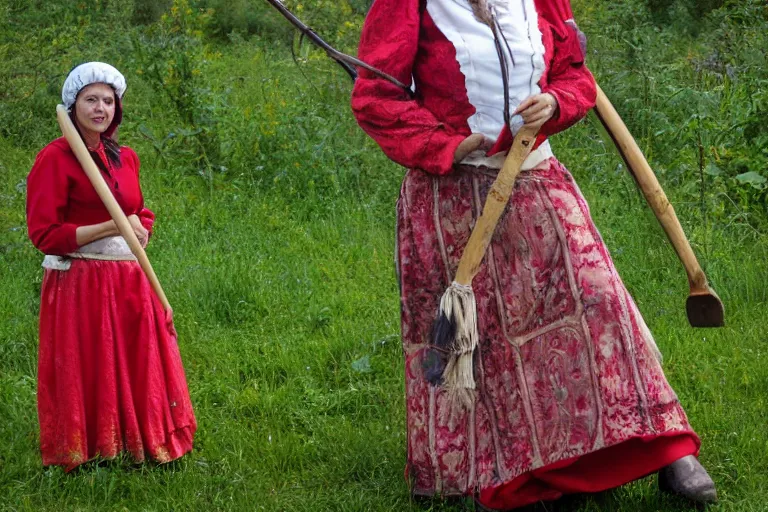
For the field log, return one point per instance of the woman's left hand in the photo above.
(141, 232)
(537, 109)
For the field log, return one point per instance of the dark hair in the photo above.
(111, 147)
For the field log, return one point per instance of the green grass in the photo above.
(281, 277)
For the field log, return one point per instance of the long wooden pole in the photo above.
(495, 202)
(703, 306)
(102, 189)
(649, 185)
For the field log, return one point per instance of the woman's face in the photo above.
(95, 108)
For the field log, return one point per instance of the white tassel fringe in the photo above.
(458, 305)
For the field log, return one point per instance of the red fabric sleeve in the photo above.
(407, 132)
(47, 192)
(568, 78)
(147, 218)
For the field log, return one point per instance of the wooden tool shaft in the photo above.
(102, 189)
(654, 194)
(498, 197)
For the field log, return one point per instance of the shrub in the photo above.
(146, 12)
(172, 57)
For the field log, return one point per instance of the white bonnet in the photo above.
(91, 73)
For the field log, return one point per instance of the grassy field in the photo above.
(281, 277)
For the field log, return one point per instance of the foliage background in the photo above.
(275, 238)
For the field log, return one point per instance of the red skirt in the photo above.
(110, 377)
(570, 393)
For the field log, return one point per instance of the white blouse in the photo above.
(479, 63)
(477, 58)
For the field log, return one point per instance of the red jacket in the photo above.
(401, 38)
(60, 198)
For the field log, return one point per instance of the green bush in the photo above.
(246, 18)
(146, 12)
(172, 57)
(687, 14)
(695, 101)
(338, 22)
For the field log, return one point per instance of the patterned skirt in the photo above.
(110, 377)
(570, 393)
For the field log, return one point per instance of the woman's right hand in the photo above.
(141, 232)
(468, 145)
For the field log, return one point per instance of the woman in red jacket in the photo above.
(110, 376)
(570, 395)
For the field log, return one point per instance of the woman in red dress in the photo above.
(570, 396)
(110, 377)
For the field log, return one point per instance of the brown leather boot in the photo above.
(688, 478)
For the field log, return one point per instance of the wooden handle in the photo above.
(498, 197)
(654, 194)
(97, 180)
